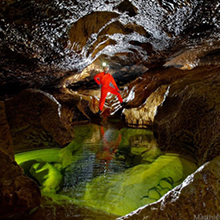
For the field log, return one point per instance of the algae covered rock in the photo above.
(196, 198)
(137, 186)
(48, 177)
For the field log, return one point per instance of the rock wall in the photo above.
(43, 42)
(36, 121)
(188, 121)
(18, 193)
(52, 210)
(143, 116)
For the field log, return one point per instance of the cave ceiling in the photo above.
(51, 44)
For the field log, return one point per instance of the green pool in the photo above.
(116, 171)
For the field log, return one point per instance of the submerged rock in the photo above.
(47, 175)
(137, 186)
(196, 198)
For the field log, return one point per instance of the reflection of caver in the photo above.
(109, 148)
(108, 84)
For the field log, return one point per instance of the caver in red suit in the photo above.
(108, 84)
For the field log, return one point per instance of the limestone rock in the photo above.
(6, 143)
(35, 121)
(188, 121)
(43, 42)
(126, 6)
(18, 193)
(199, 56)
(90, 24)
(52, 210)
(143, 116)
(75, 108)
(196, 198)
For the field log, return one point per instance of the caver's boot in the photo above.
(123, 104)
(99, 112)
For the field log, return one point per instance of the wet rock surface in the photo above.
(149, 45)
(51, 210)
(5, 135)
(18, 193)
(39, 47)
(143, 116)
(196, 198)
(187, 122)
(75, 108)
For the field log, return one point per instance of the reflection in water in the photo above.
(109, 146)
(137, 186)
(105, 168)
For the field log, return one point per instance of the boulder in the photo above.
(36, 121)
(75, 108)
(143, 116)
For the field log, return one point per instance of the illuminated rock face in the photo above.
(47, 45)
(45, 42)
(143, 116)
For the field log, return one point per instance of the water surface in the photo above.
(106, 168)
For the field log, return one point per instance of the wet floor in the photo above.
(107, 168)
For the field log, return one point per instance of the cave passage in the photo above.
(108, 169)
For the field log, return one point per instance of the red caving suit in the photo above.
(108, 84)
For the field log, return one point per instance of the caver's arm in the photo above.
(97, 78)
